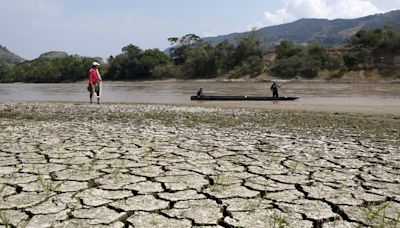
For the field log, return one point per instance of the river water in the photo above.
(361, 97)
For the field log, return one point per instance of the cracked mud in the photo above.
(115, 165)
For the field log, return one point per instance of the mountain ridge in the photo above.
(8, 57)
(311, 30)
(53, 55)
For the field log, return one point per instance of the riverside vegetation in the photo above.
(373, 52)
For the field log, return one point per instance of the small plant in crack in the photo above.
(295, 166)
(115, 173)
(148, 151)
(48, 185)
(154, 222)
(236, 159)
(272, 159)
(218, 182)
(278, 220)
(4, 219)
(2, 189)
(92, 183)
(82, 168)
(376, 215)
(38, 147)
(79, 223)
(396, 222)
(93, 162)
(270, 148)
(253, 204)
(23, 224)
(385, 222)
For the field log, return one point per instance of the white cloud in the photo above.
(353, 9)
(280, 16)
(307, 8)
(297, 9)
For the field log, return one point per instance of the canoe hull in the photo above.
(241, 98)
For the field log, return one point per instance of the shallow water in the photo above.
(375, 97)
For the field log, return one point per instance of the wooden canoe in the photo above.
(241, 98)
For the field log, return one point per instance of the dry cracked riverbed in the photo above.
(133, 165)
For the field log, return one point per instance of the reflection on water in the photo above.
(172, 92)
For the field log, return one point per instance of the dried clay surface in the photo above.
(138, 165)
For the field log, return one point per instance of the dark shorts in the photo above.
(96, 88)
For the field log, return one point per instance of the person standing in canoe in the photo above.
(274, 89)
(94, 82)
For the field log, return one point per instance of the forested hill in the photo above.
(8, 57)
(322, 31)
(53, 55)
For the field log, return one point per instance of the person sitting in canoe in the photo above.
(200, 92)
(274, 89)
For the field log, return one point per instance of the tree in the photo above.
(148, 60)
(287, 49)
(367, 38)
(380, 40)
(288, 68)
(305, 61)
(178, 52)
(135, 64)
(200, 62)
(5, 70)
(166, 71)
(318, 53)
(225, 56)
(248, 46)
(377, 49)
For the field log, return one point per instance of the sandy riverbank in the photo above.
(146, 165)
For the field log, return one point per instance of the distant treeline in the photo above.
(62, 69)
(368, 50)
(192, 58)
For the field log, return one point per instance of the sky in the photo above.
(103, 27)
